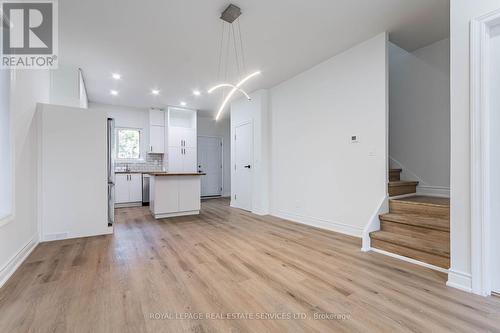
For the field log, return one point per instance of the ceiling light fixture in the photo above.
(116, 76)
(183, 103)
(113, 92)
(155, 92)
(230, 18)
(196, 92)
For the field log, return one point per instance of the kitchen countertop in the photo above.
(166, 174)
(147, 172)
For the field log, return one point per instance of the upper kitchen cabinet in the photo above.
(182, 128)
(156, 139)
(182, 140)
(156, 117)
(156, 131)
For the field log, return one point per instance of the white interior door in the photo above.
(210, 162)
(243, 168)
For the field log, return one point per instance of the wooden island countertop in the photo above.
(166, 174)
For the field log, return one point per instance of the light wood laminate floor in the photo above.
(170, 275)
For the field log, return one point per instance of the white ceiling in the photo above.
(173, 45)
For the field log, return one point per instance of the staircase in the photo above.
(398, 186)
(416, 227)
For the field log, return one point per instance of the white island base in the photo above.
(174, 194)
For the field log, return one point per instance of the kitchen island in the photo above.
(174, 194)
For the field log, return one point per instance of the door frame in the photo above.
(480, 158)
(222, 160)
(233, 162)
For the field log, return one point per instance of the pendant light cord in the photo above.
(241, 46)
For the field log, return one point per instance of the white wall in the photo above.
(207, 126)
(495, 155)
(462, 11)
(127, 117)
(73, 165)
(5, 146)
(20, 233)
(67, 87)
(317, 176)
(256, 111)
(419, 114)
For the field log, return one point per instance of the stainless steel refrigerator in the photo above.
(111, 171)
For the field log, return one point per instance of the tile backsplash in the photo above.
(153, 162)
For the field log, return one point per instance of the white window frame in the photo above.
(141, 146)
(7, 211)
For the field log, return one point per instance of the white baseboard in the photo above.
(260, 212)
(374, 223)
(321, 223)
(459, 280)
(13, 264)
(167, 215)
(410, 260)
(66, 235)
(435, 191)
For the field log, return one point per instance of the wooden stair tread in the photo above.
(402, 183)
(423, 245)
(417, 220)
(426, 200)
(411, 253)
(395, 170)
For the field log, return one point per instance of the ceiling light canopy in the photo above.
(230, 19)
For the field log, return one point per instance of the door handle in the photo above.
(247, 166)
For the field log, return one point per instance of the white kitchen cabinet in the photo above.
(189, 194)
(175, 136)
(190, 137)
(182, 137)
(175, 159)
(189, 160)
(182, 160)
(156, 117)
(175, 195)
(121, 188)
(128, 188)
(135, 187)
(156, 139)
(182, 140)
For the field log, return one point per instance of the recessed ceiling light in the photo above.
(196, 92)
(155, 92)
(117, 76)
(113, 92)
(183, 103)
